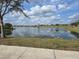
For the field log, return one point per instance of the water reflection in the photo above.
(42, 32)
(75, 33)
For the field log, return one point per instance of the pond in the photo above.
(42, 32)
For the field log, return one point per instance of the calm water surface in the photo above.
(42, 32)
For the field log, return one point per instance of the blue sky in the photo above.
(46, 12)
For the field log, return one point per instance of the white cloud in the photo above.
(47, 9)
(55, 0)
(34, 19)
(74, 16)
(40, 10)
(63, 6)
(38, 14)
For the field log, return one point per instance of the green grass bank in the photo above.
(48, 43)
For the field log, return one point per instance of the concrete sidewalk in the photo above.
(15, 52)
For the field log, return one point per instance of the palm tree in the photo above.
(7, 6)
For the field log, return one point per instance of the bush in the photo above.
(8, 28)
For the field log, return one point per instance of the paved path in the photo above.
(15, 52)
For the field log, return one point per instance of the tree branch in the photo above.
(6, 7)
(1, 7)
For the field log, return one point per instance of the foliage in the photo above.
(7, 6)
(8, 28)
(75, 23)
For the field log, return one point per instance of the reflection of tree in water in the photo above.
(75, 33)
(57, 29)
(38, 30)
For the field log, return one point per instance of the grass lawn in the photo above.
(49, 43)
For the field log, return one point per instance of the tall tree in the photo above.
(7, 6)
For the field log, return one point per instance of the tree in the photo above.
(75, 23)
(7, 6)
(8, 28)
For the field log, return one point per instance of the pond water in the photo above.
(42, 32)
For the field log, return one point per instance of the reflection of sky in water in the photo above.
(42, 32)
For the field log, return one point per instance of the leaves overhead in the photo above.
(7, 6)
